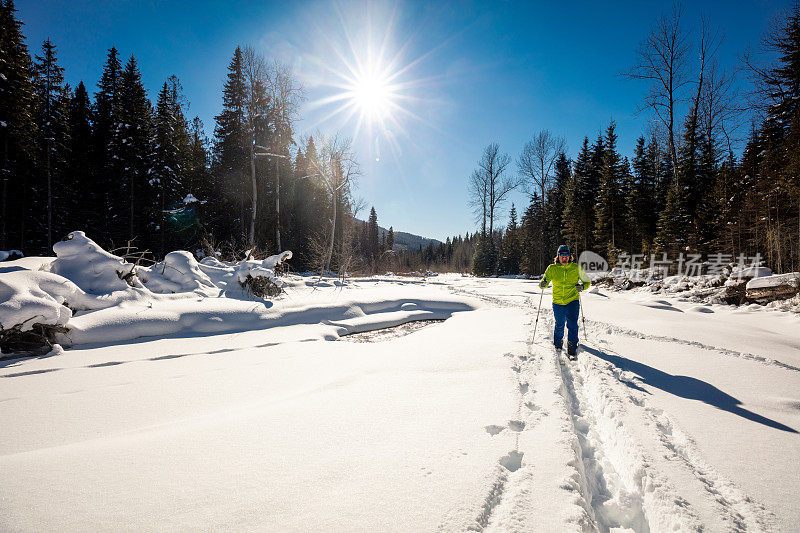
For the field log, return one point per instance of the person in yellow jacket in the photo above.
(567, 278)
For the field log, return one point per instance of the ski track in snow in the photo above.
(599, 327)
(614, 478)
(737, 509)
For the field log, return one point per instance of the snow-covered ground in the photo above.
(249, 415)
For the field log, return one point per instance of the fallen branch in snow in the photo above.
(260, 286)
(35, 341)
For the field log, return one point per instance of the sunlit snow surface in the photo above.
(677, 416)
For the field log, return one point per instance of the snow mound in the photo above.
(29, 297)
(179, 272)
(259, 276)
(87, 265)
(274, 260)
(42, 294)
(5, 254)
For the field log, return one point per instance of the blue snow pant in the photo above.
(566, 313)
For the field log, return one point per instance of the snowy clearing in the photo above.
(676, 416)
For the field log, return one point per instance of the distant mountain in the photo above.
(406, 241)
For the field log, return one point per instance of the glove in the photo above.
(579, 286)
(543, 284)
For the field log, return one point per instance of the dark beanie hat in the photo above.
(564, 249)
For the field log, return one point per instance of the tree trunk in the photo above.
(327, 263)
(278, 206)
(130, 186)
(252, 234)
(673, 153)
(49, 202)
(162, 219)
(3, 212)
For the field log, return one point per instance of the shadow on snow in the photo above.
(686, 387)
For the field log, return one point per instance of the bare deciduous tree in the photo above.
(256, 79)
(720, 108)
(337, 169)
(537, 160)
(489, 186)
(662, 62)
(286, 94)
(478, 190)
(346, 253)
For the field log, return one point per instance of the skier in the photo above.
(568, 278)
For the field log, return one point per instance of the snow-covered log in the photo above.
(771, 288)
(35, 305)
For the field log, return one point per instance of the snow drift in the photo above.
(88, 295)
(84, 277)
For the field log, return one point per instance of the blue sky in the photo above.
(470, 73)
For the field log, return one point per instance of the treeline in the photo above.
(682, 191)
(132, 172)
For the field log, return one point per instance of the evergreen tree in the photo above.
(484, 262)
(578, 211)
(724, 203)
(781, 82)
(17, 131)
(707, 176)
(608, 209)
(510, 249)
(648, 171)
(627, 227)
(168, 169)
(198, 183)
(673, 223)
(310, 205)
(107, 151)
(52, 101)
(775, 197)
(594, 171)
(390, 239)
(372, 249)
(535, 255)
(556, 201)
(690, 177)
(136, 193)
(230, 155)
(84, 204)
(635, 199)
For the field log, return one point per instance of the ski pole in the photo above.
(541, 293)
(583, 316)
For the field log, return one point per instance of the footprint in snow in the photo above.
(516, 425)
(532, 406)
(494, 429)
(512, 462)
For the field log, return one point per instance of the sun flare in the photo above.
(368, 80)
(372, 95)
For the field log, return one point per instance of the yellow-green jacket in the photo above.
(564, 279)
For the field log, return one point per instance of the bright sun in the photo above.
(369, 79)
(372, 95)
